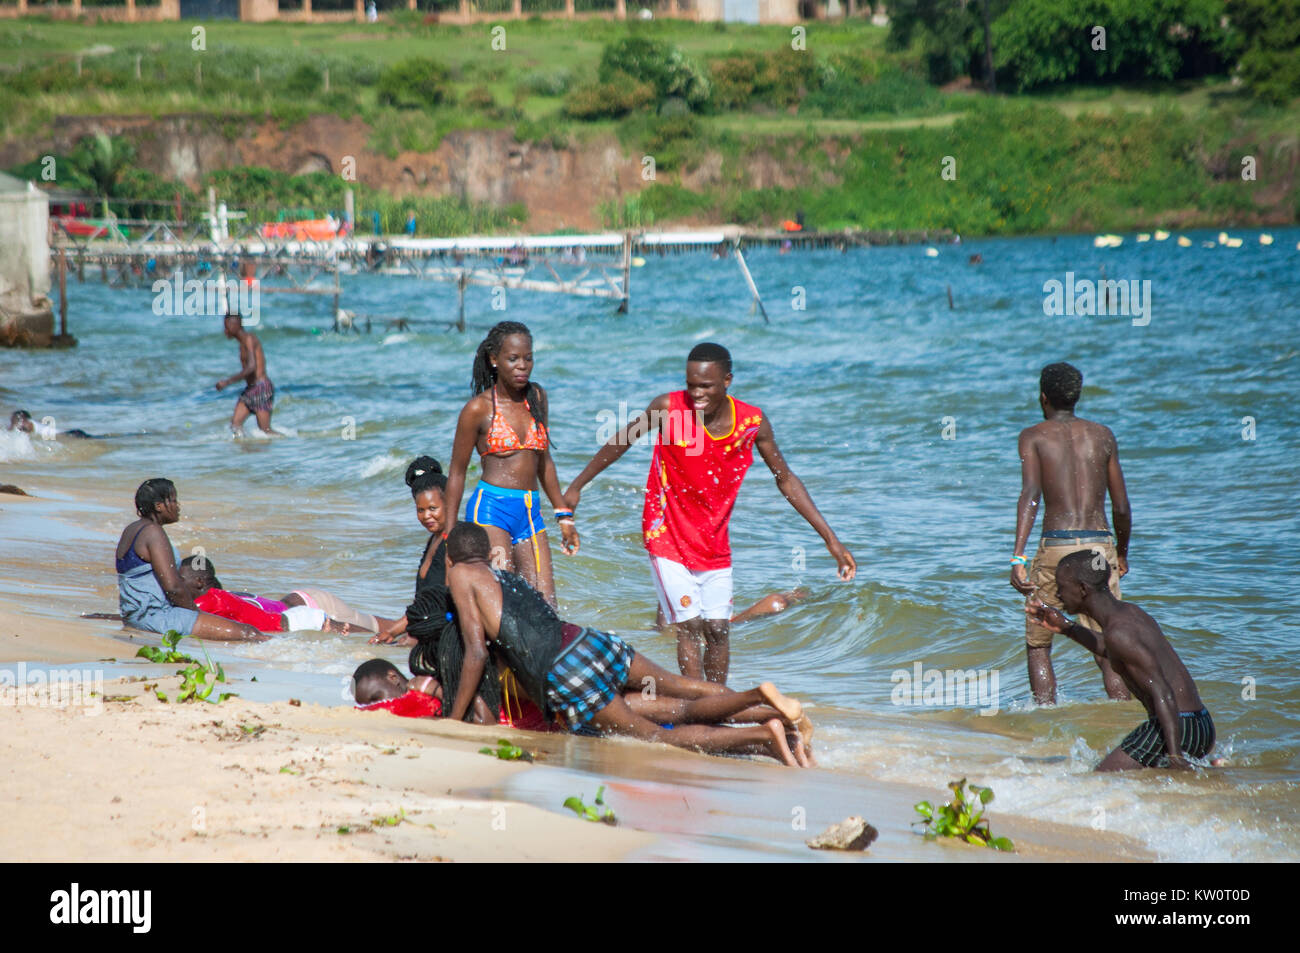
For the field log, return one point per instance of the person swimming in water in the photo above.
(150, 591)
(704, 446)
(580, 675)
(1179, 725)
(21, 420)
(506, 404)
(259, 393)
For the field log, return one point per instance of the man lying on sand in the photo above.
(291, 614)
(378, 684)
(579, 674)
(1180, 726)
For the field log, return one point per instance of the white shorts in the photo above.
(686, 594)
(305, 618)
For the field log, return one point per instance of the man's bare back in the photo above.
(1069, 464)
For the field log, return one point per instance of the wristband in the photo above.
(1019, 561)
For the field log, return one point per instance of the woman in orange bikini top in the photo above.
(507, 502)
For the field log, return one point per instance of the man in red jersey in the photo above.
(704, 443)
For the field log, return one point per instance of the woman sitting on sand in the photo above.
(506, 421)
(150, 592)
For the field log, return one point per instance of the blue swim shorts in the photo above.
(518, 512)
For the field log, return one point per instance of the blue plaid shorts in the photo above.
(587, 676)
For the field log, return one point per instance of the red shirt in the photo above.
(414, 704)
(693, 483)
(230, 606)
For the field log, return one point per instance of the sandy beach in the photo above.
(119, 775)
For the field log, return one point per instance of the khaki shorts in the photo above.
(1042, 574)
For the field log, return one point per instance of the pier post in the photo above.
(63, 293)
(627, 272)
(461, 281)
(749, 280)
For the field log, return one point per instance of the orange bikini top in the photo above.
(502, 438)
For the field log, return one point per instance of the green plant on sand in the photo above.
(589, 812)
(963, 817)
(198, 679)
(507, 752)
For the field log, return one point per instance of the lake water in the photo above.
(860, 386)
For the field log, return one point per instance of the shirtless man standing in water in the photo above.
(1071, 463)
(258, 393)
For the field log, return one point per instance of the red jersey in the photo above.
(230, 606)
(694, 480)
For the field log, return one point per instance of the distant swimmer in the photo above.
(507, 422)
(703, 445)
(21, 420)
(1070, 463)
(258, 393)
(151, 594)
(1179, 726)
(579, 675)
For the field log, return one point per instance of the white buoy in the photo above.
(1266, 239)
(1144, 237)
(1234, 242)
(1161, 235)
(932, 253)
(1223, 238)
(1184, 241)
(1209, 245)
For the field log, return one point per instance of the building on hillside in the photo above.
(26, 313)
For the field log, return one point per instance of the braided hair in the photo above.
(431, 619)
(484, 376)
(151, 493)
(425, 473)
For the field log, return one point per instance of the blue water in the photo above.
(858, 386)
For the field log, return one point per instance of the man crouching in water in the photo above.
(1139, 654)
(580, 674)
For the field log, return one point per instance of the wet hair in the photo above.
(439, 651)
(1061, 384)
(1088, 566)
(468, 541)
(207, 574)
(18, 415)
(709, 353)
(485, 375)
(425, 473)
(151, 493)
(369, 679)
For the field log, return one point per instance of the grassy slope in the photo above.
(1085, 158)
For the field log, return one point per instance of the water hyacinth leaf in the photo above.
(1002, 843)
(924, 808)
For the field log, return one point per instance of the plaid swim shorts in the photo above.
(258, 395)
(587, 676)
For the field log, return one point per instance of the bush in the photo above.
(780, 79)
(547, 83)
(659, 64)
(480, 98)
(306, 80)
(414, 84)
(1270, 34)
(612, 99)
(850, 95)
